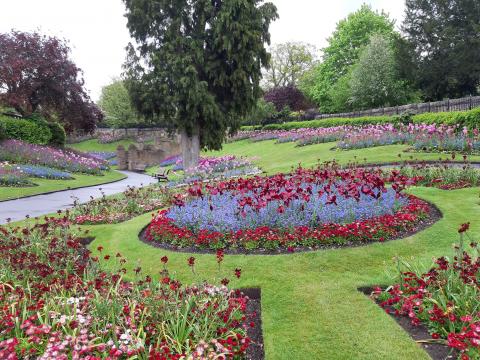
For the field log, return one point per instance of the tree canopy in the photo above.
(289, 62)
(37, 75)
(444, 35)
(197, 65)
(116, 104)
(375, 80)
(343, 51)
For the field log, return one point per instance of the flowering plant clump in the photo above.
(13, 178)
(446, 298)
(19, 152)
(103, 155)
(308, 208)
(57, 303)
(210, 168)
(43, 172)
(110, 210)
(444, 175)
(170, 160)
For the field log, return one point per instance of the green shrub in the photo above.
(3, 131)
(59, 137)
(28, 130)
(470, 119)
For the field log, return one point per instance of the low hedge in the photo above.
(470, 119)
(26, 130)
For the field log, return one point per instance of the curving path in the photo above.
(49, 203)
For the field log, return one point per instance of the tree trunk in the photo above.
(190, 148)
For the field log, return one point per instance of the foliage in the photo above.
(109, 210)
(36, 74)
(58, 303)
(19, 152)
(288, 96)
(375, 81)
(445, 298)
(27, 130)
(444, 36)
(59, 137)
(289, 62)
(115, 102)
(343, 51)
(202, 62)
(263, 113)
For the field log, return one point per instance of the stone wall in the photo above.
(134, 132)
(140, 156)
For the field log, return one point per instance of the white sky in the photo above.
(96, 29)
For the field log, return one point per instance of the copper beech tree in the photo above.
(37, 75)
(197, 65)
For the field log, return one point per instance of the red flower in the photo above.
(463, 228)
(191, 261)
(164, 259)
(238, 273)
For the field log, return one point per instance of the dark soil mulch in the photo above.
(434, 215)
(256, 350)
(85, 241)
(437, 351)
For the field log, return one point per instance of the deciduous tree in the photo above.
(37, 75)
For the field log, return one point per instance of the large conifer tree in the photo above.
(197, 65)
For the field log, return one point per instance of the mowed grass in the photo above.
(45, 185)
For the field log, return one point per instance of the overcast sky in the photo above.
(96, 29)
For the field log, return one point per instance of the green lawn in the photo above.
(44, 185)
(311, 308)
(94, 145)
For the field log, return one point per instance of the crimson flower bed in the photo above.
(305, 209)
(57, 303)
(446, 299)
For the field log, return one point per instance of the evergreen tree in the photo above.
(197, 65)
(444, 35)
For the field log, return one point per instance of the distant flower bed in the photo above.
(421, 137)
(170, 160)
(103, 155)
(109, 138)
(19, 152)
(57, 303)
(309, 208)
(13, 178)
(44, 172)
(210, 168)
(446, 298)
(109, 210)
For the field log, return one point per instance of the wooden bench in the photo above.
(161, 177)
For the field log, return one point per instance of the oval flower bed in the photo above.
(306, 209)
(57, 303)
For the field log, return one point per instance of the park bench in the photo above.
(162, 176)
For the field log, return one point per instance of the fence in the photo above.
(462, 104)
